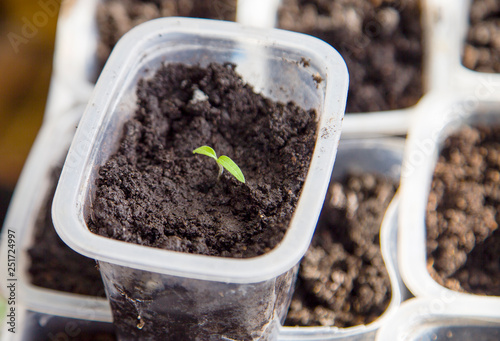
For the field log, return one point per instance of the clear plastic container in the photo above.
(460, 96)
(397, 122)
(75, 56)
(31, 192)
(382, 157)
(270, 61)
(442, 117)
(436, 319)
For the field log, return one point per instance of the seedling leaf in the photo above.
(223, 162)
(206, 150)
(231, 167)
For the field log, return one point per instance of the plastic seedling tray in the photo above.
(267, 59)
(381, 157)
(445, 24)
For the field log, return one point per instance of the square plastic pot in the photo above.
(76, 64)
(255, 291)
(31, 193)
(441, 118)
(382, 157)
(390, 122)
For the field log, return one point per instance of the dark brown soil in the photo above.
(155, 192)
(463, 238)
(381, 42)
(117, 17)
(342, 279)
(482, 45)
(53, 264)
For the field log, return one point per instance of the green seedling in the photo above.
(223, 162)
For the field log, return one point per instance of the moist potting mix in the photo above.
(117, 17)
(343, 280)
(53, 264)
(380, 41)
(463, 238)
(154, 191)
(482, 46)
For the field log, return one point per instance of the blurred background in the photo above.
(27, 35)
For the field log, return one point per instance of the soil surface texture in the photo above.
(482, 46)
(381, 42)
(343, 280)
(53, 264)
(463, 238)
(154, 191)
(117, 17)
